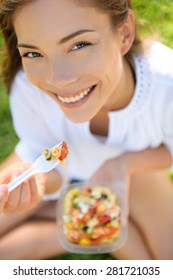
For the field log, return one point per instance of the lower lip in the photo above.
(78, 103)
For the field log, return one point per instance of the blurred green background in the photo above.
(156, 20)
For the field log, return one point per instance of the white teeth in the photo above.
(67, 100)
(75, 98)
(72, 99)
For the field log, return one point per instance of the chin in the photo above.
(78, 119)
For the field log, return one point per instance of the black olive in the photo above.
(85, 228)
(104, 196)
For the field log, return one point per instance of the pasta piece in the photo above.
(58, 153)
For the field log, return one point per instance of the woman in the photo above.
(74, 75)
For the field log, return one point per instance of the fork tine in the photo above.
(57, 145)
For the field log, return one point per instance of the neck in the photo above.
(126, 87)
(100, 123)
(125, 90)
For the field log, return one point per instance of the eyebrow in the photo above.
(77, 33)
(61, 41)
(27, 46)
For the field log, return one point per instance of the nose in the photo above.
(60, 74)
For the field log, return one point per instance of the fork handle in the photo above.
(20, 179)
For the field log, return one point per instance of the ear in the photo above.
(128, 33)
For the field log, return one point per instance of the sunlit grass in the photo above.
(156, 17)
(8, 138)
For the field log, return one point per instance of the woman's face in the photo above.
(73, 55)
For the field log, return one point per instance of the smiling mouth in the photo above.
(76, 98)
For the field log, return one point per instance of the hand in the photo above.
(3, 197)
(25, 196)
(112, 170)
(116, 173)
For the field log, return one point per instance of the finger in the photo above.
(25, 197)
(3, 196)
(125, 209)
(41, 182)
(13, 197)
(35, 197)
(9, 174)
(5, 177)
(12, 201)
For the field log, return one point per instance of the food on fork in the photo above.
(58, 153)
(91, 216)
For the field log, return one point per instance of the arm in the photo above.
(133, 163)
(11, 159)
(147, 160)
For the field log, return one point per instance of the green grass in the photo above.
(8, 138)
(83, 257)
(156, 18)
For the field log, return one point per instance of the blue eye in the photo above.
(80, 45)
(32, 55)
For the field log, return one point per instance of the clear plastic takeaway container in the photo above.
(92, 218)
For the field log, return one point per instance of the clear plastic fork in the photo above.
(41, 165)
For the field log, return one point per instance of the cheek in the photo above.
(34, 74)
(95, 68)
(115, 68)
(104, 63)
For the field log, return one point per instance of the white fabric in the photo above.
(146, 122)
